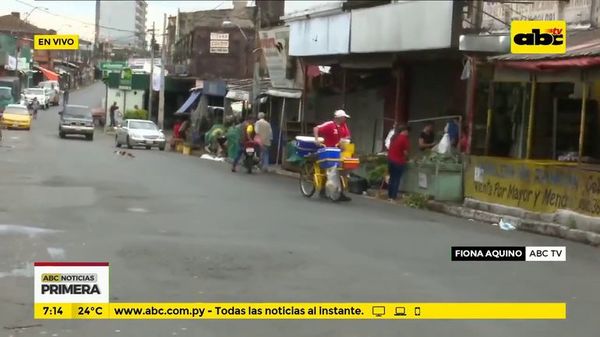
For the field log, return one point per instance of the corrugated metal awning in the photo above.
(238, 95)
(285, 93)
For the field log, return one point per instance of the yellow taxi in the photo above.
(16, 116)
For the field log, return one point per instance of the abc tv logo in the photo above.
(538, 37)
(552, 36)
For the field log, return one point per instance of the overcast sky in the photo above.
(78, 17)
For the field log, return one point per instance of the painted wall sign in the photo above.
(538, 186)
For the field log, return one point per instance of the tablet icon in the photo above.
(400, 311)
(417, 311)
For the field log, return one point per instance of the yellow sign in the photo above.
(56, 42)
(300, 311)
(538, 37)
(538, 186)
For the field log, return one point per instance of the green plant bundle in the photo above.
(136, 114)
(376, 174)
(416, 200)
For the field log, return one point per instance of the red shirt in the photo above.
(176, 129)
(332, 133)
(398, 147)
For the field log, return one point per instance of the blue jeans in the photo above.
(395, 171)
(264, 157)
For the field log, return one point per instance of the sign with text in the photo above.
(219, 36)
(219, 43)
(275, 45)
(301, 311)
(510, 253)
(543, 186)
(538, 37)
(71, 282)
(56, 42)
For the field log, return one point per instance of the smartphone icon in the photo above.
(417, 311)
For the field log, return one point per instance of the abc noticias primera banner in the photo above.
(80, 290)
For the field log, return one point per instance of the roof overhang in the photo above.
(285, 93)
(484, 43)
(315, 12)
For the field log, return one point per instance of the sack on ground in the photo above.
(333, 181)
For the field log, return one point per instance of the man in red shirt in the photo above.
(397, 158)
(333, 131)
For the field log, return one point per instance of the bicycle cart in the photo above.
(317, 164)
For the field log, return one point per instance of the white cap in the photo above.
(340, 113)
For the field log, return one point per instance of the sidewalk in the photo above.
(564, 224)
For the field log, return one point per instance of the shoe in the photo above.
(233, 169)
(345, 198)
(392, 200)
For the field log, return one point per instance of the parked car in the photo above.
(41, 94)
(139, 132)
(16, 116)
(76, 120)
(53, 91)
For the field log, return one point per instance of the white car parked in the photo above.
(41, 94)
(139, 132)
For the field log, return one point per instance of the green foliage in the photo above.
(136, 114)
(415, 200)
(376, 174)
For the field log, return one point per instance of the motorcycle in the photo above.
(251, 158)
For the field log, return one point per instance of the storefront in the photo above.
(541, 147)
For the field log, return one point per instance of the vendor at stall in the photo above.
(427, 137)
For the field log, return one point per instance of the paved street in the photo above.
(182, 229)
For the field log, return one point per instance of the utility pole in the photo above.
(161, 95)
(152, 42)
(255, 72)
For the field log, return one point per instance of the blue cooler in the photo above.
(305, 145)
(329, 157)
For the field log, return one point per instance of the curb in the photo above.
(285, 173)
(533, 226)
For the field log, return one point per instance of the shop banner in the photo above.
(538, 186)
(275, 46)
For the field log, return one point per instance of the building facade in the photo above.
(127, 22)
(214, 44)
(577, 13)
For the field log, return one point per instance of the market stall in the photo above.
(541, 141)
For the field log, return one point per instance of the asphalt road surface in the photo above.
(183, 229)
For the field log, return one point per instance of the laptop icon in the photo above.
(400, 311)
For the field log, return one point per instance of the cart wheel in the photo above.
(307, 180)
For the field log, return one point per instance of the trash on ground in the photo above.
(505, 225)
(124, 153)
(209, 157)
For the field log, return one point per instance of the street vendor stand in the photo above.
(553, 164)
(435, 175)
